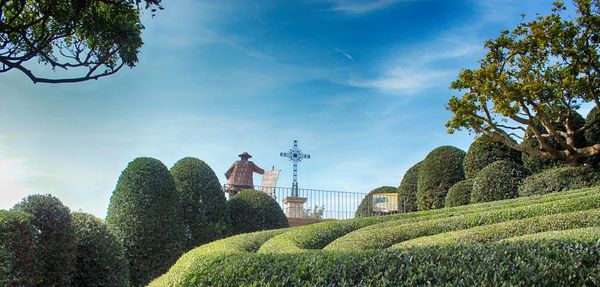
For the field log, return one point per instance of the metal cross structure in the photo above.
(296, 156)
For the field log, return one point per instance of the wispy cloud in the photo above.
(404, 80)
(345, 54)
(355, 7)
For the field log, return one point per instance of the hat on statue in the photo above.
(245, 154)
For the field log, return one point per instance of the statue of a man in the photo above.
(239, 175)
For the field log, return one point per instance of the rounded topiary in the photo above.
(592, 134)
(484, 151)
(252, 210)
(440, 170)
(407, 191)
(54, 238)
(460, 193)
(560, 179)
(144, 215)
(365, 208)
(201, 199)
(499, 180)
(18, 263)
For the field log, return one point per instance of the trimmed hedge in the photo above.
(379, 238)
(592, 134)
(18, 263)
(484, 151)
(252, 210)
(559, 179)
(460, 193)
(100, 257)
(503, 230)
(499, 264)
(497, 181)
(440, 170)
(407, 191)
(588, 234)
(365, 208)
(144, 215)
(202, 201)
(54, 238)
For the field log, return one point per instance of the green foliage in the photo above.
(144, 215)
(499, 264)
(365, 208)
(535, 164)
(484, 151)
(252, 210)
(54, 238)
(460, 193)
(202, 201)
(17, 254)
(440, 170)
(499, 180)
(100, 258)
(592, 135)
(586, 234)
(408, 189)
(559, 179)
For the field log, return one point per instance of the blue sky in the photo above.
(361, 84)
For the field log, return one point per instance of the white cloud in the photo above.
(356, 7)
(405, 80)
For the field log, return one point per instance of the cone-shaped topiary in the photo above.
(365, 208)
(144, 215)
(201, 199)
(18, 263)
(440, 170)
(460, 193)
(252, 210)
(559, 179)
(484, 151)
(54, 238)
(408, 189)
(499, 180)
(100, 258)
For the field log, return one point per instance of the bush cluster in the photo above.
(252, 210)
(484, 151)
(499, 180)
(407, 191)
(460, 193)
(441, 169)
(18, 265)
(365, 208)
(559, 179)
(592, 134)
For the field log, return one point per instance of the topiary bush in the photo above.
(201, 200)
(484, 151)
(365, 208)
(18, 263)
(460, 193)
(592, 134)
(54, 238)
(144, 215)
(100, 257)
(559, 179)
(440, 170)
(499, 180)
(407, 191)
(252, 210)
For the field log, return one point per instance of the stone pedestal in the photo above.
(294, 206)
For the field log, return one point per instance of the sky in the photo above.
(362, 85)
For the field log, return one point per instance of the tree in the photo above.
(18, 262)
(201, 199)
(53, 237)
(93, 37)
(534, 78)
(144, 215)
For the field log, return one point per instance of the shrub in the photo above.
(586, 234)
(407, 191)
(559, 179)
(54, 238)
(252, 210)
(460, 193)
(201, 200)
(592, 134)
(17, 255)
(143, 214)
(440, 170)
(100, 258)
(365, 208)
(484, 151)
(499, 180)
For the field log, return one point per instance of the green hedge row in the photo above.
(495, 232)
(557, 263)
(386, 237)
(587, 234)
(559, 179)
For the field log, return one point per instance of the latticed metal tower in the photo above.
(296, 156)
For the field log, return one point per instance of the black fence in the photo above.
(328, 204)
